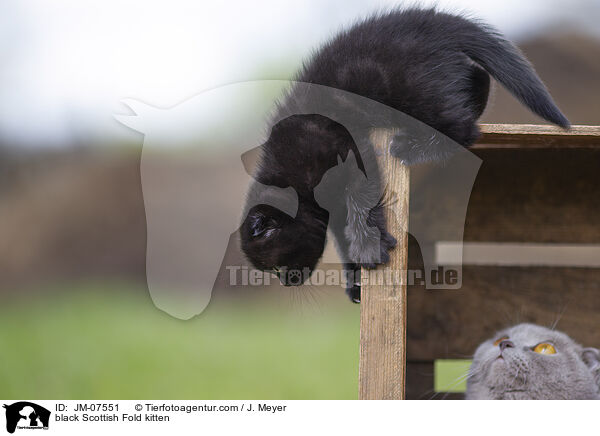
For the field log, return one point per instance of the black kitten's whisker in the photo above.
(310, 293)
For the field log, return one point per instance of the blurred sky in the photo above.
(67, 64)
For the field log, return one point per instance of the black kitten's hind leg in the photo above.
(480, 90)
(419, 143)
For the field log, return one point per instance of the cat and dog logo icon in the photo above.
(26, 415)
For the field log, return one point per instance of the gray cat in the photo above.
(529, 362)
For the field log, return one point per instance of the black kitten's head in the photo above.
(274, 241)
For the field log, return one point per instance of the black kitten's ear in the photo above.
(262, 225)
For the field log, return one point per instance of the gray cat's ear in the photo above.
(591, 357)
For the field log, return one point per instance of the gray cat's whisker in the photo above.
(514, 379)
(456, 381)
(559, 317)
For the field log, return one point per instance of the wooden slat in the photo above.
(419, 383)
(537, 136)
(383, 307)
(521, 195)
(536, 196)
(452, 323)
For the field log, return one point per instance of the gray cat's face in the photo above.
(532, 362)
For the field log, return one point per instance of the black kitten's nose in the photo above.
(506, 344)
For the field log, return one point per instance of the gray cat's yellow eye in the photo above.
(545, 348)
(503, 338)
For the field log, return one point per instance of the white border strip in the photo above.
(266, 418)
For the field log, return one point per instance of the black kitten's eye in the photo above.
(262, 225)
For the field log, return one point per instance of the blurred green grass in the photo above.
(109, 342)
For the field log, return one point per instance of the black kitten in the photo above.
(432, 66)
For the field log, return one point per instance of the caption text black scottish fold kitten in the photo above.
(432, 66)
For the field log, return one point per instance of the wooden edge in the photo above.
(537, 136)
(382, 362)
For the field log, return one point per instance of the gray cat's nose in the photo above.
(506, 344)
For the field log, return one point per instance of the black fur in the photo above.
(432, 66)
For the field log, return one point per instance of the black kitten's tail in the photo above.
(505, 63)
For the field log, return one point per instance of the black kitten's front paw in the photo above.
(417, 146)
(387, 244)
(373, 251)
(405, 148)
(353, 292)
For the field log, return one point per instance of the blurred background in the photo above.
(76, 320)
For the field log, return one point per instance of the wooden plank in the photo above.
(520, 195)
(452, 323)
(536, 196)
(383, 307)
(537, 136)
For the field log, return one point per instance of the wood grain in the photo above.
(537, 136)
(383, 307)
(522, 195)
(536, 196)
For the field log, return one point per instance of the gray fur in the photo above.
(522, 374)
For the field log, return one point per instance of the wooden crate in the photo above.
(537, 184)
